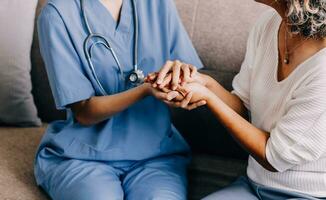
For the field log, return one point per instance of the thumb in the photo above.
(183, 90)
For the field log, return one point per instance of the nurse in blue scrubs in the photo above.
(121, 145)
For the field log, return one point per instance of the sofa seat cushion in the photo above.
(18, 147)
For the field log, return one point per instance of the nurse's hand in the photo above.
(174, 73)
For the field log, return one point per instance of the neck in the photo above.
(280, 7)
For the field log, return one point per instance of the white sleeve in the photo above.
(300, 135)
(241, 82)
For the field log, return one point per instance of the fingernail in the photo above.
(170, 98)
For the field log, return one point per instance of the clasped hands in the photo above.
(179, 85)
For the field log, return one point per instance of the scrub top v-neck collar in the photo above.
(106, 22)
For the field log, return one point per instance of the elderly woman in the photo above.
(282, 83)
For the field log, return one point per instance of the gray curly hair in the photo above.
(307, 17)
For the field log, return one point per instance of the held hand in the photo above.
(167, 81)
(163, 94)
(197, 95)
(174, 73)
(174, 98)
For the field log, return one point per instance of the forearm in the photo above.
(248, 136)
(233, 101)
(97, 109)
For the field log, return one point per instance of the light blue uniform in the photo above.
(246, 189)
(136, 154)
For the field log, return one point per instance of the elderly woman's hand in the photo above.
(174, 73)
(195, 95)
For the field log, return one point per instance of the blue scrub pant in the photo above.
(245, 189)
(68, 179)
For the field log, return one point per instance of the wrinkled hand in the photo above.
(172, 85)
(197, 96)
(172, 74)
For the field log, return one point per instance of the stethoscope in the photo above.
(136, 77)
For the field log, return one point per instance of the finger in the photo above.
(182, 91)
(186, 74)
(173, 104)
(193, 71)
(179, 98)
(163, 72)
(160, 95)
(196, 105)
(187, 100)
(176, 74)
(152, 76)
(192, 106)
(166, 81)
(172, 95)
(166, 90)
(202, 103)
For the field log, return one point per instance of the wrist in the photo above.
(209, 81)
(204, 79)
(210, 98)
(146, 89)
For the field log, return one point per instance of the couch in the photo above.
(218, 30)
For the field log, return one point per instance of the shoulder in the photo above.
(59, 12)
(265, 24)
(158, 6)
(268, 18)
(57, 8)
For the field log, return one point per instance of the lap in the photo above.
(163, 178)
(66, 179)
(245, 189)
(240, 189)
(82, 180)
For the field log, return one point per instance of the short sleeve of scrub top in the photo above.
(181, 47)
(67, 80)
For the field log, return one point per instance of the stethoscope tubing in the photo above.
(106, 43)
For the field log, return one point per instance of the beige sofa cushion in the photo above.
(16, 34)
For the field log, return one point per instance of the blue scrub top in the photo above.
(140, 132)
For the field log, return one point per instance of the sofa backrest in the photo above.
(217, 28)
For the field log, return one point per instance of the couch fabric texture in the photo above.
(16, 34)
(219, 30)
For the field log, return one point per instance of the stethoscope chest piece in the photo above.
(136, 77)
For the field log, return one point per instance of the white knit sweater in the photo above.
(293, 111)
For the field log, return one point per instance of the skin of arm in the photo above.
(97, 109)
(228, 109)
(233, 101)
(230, 99)
(252, 139)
